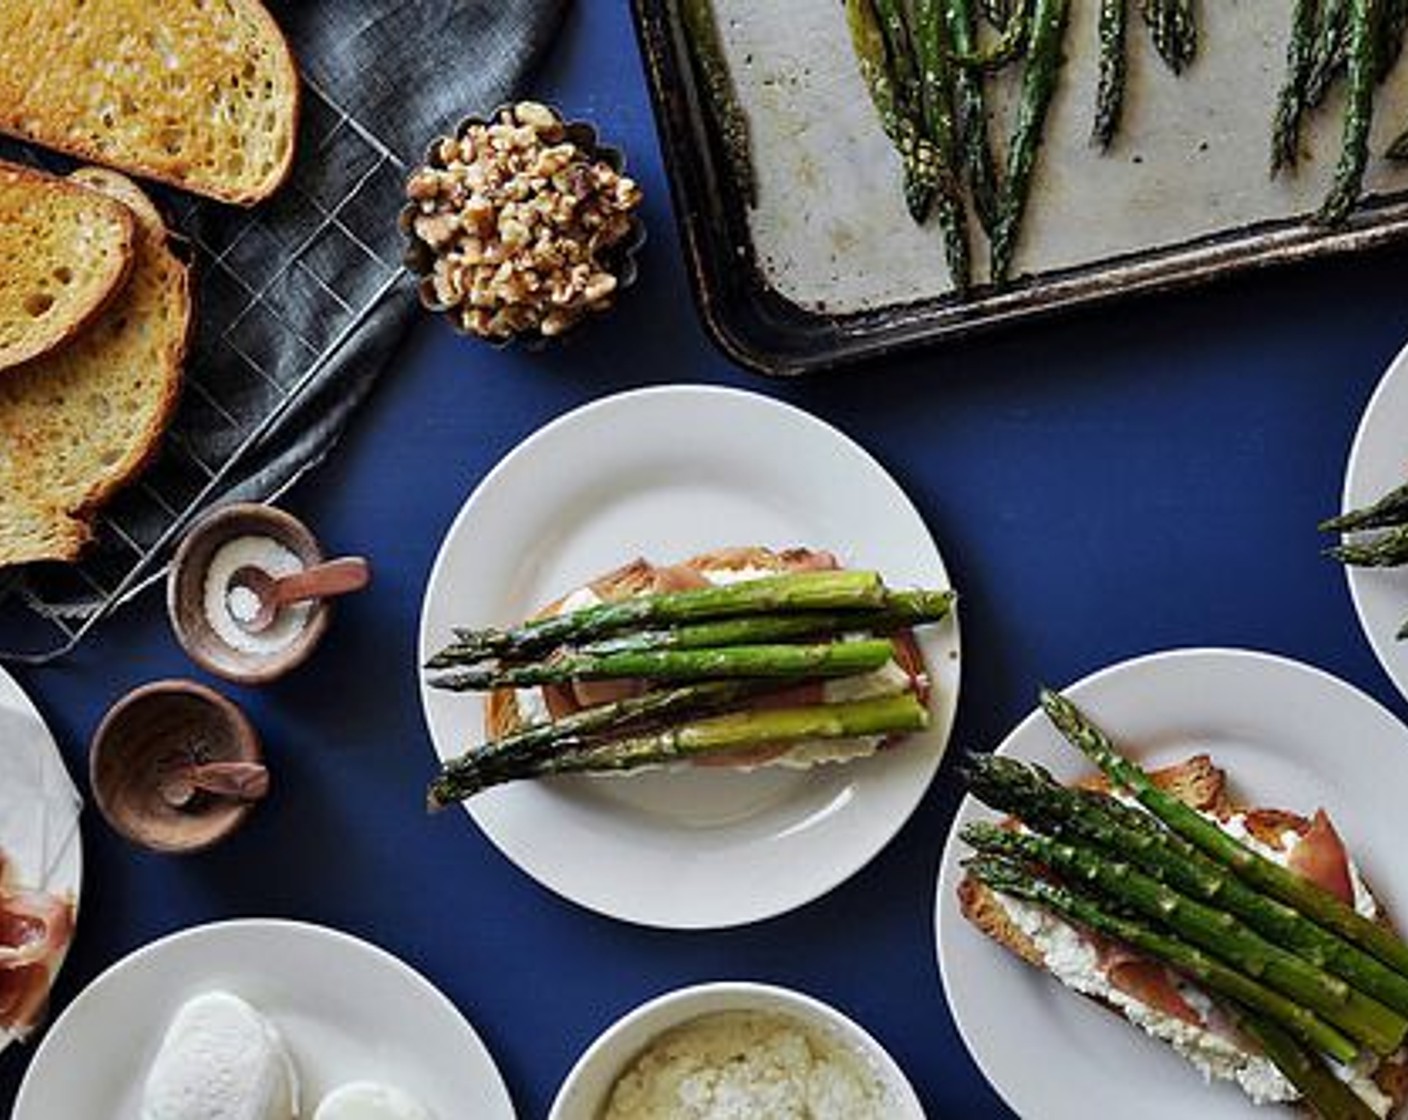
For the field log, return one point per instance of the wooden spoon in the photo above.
(320, 581)
(241, 781)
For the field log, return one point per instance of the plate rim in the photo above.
(946, 878)
(93, 990)
(943, 707)
(1359, 580)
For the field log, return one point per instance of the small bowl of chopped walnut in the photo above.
(521, 225)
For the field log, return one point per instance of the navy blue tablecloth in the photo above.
(1121, 481)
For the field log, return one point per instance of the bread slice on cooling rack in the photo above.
(201, 94)
(65, 252)
(78, 424)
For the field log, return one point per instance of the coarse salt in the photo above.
(243, 604)
(229, 609)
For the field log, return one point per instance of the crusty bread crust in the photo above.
(77, 425)
(65, 254)
(639, 576)
(1201, 784)
(204, 96)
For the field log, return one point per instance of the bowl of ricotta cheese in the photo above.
(734, 1050)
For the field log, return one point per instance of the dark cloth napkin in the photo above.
(403, 71)
(301, 300)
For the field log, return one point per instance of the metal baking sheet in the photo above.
(832, 268)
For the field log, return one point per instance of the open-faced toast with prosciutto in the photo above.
(741, 657)
(1244, 937)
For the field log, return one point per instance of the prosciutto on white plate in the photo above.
(35, 930)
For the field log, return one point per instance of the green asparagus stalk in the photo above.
(1331, 35)
(1030, 793)
(1109, 91)
(1007, 48)
(791, 662)
(918, 160)
(936, 82)
(1365, 18)
(923, 163)
(721, 98)
(1391, 509)
(903, 609)
(749, 630)
(998, 13)
(1365, 1020)
(1388, 550)
(473, 771)
(793, 591)
(975, 146)
(1291, 101)
(718, 735)
(899, 49)
(1264, 874)
(1038, 85)
(1328, 1096)
(1014, 879)
(1173, 26)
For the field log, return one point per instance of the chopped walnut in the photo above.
(522, 221)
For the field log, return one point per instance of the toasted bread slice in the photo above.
(201, 94)
(78, 424)
(503, 711)
(65, 252)
(1201, 784)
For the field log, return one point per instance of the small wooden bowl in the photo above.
(185, 593)
(142, 736)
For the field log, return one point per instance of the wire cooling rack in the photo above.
(279, 290)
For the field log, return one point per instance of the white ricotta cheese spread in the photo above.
(743, 1065)
(722, 577)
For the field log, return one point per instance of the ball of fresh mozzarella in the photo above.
(221, 1060)
(370, 1100)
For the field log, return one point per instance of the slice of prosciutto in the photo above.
(1320, 856)
(35, 931)
(1146, 980)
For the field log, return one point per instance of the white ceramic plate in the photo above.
(1378, 461)
(587, 1087)
(665, 473)
(40, 830)
(346, 1009)
(1289, 736)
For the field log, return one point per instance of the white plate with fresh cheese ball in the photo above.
(368, 1037)
(664, 474)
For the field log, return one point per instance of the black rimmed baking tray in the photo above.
(1182, 198)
